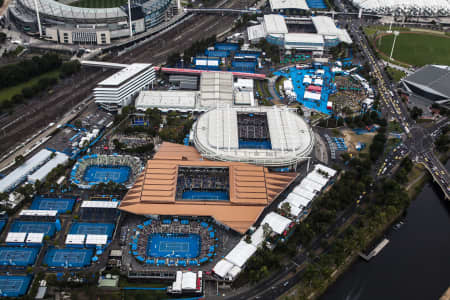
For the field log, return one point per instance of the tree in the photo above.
(70, 68)
(19, 160)
(78, 123)
(267, 230)
(2, 35)
(286, 208)
(248, 239)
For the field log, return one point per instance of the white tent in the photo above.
(241, 253)
(75, 239)
(294, 210)
(16, 237)
(258, 237)
(222, 268)
(277, 222)
(326, 169)
(189, 281)
(306, 193)
(311, 96)
(35, 238)
(234, 272)
(96, 239)
(298, 200)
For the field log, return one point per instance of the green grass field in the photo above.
(7, 93)
(417, 49)
(98, 3)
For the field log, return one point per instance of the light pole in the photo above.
(396, 33)
(38, 18)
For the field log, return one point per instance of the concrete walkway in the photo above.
(397, 67)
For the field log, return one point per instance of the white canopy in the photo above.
(189, 281)
(311, 96)
(16, 237)
(241, 253)
(258, 237)
(75, 239)
(277, 222)
(35, 238)
(222, 268)
(96, 239)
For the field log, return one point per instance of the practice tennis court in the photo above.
(97, 174)
(173, 245)
(15, 256)
(75, 258)
(47, 228)
(92, 228)
(14, 286)
(60, 204)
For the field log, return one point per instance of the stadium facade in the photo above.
(430, 83)
(66, 24)
(267, 136)
(178, 181)
(425, 8)
(312, 34)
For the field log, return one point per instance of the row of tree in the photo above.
(13, 74)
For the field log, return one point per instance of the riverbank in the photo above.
(360, 237)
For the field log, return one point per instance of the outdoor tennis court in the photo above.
(60, 204)
(75, 258)
(107, 174)
(47, 228)
(14, 286)
(92, 228)
(15, 256)
(173, 245)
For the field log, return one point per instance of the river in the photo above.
(414, 265)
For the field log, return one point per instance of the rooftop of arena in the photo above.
(57, 10)
(269, 136)
(176, 182)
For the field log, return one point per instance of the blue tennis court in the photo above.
(14, 286)
(60, 204)
(246, 144)
(17, 256)
(226, 46)
(316, 4)
(204, 195)
(47, 228)
(97, 174)
(92, 228)
(173, 245)
(68, 257)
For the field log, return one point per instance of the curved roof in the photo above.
(216, 137)
(252, 188)
(56, 10)
(405, 7)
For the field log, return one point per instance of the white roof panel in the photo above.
(21, 172)
(166, 100)
(124, 74)
(96, 239)
(313, 96)
(35, 237)
(304, 192)
(258, 237)
(256, 32)
(222, 267)
(75, 239)
(189, 281)
(38, 213)
(241, 253)
(234, 272)
(286, 4)
(294, 210)
(277, 222)
(304, 38)
(326, 169)
(16, 237)
(275, 24)
(42, 172)
(99, 204)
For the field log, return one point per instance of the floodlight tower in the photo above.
(38, 18)
(129, 17)
(396, 33)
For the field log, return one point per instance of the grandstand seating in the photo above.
(195, 183)
(199, 234)
(107, 161)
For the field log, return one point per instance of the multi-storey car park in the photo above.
(67, 24)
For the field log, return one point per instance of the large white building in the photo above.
(216, 90)
(119, 89)
(275, 29)
(268, 136)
